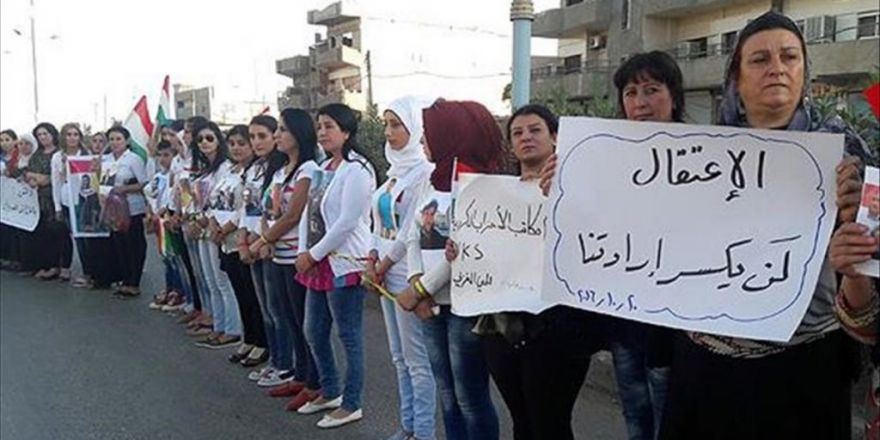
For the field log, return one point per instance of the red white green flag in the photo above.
(165, 114)
(140, 127)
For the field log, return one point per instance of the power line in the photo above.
(474, 29)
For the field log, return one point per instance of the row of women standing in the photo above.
(47, 252)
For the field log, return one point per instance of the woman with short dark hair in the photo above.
(733, 388)
(122, 182)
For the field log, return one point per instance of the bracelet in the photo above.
(263, 237)
(856, 320)
(420, 289)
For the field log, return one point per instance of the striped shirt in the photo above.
(277, 201)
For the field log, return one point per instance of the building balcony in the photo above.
(336, 13)
(589, 15)
(331, 58)
(680, 8)
(294, 66)
(355, 100)
(591, 79)
(833, 62)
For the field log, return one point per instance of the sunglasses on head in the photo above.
(207, 137)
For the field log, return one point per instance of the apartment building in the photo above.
(375, 51)
(594, 36)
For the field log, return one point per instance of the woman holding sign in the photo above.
(394, 206)
(73, 146)
(649, 88)
(466, 133)
(731, 388)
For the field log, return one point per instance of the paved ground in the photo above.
(81, 365)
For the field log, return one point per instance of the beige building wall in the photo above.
(798, 9)
(718, 21)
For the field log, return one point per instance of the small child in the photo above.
(158, 193)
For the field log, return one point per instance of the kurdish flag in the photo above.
(140, 126)
(164, 114)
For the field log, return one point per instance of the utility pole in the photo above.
(34, 65)
(369, 82)
(522, 13)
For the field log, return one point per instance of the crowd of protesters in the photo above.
(272, 235)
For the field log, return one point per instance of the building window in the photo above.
(728, 40)
(572, 64)
(624, 16)
(180, 104)
(868, 26)
(572, 2)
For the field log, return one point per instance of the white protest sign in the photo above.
(499, 225)
(19, 204)
(711, 229)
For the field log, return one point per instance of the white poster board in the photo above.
(19, 204)
(499, 225)
(711, 229)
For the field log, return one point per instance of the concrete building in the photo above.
(376, 51)
(192, 101)
(594, 36)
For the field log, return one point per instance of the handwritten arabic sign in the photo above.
(499, 226)
(709, 229)
(19, 206)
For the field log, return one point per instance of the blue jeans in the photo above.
(192, 248)
(260, 275)
(462, 377)
(409, 355)
(287, 301)
(642, 390)
(224, 305)
(345, 308)
(176, 278)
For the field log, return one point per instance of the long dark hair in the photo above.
(347, 121)
(11, 133)
(275, 160)
(302, 128)
(656, 65)
(52, 131)
(200, 160)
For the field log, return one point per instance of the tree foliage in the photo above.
(371, 139)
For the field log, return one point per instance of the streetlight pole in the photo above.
(34, 65)
(522, 13)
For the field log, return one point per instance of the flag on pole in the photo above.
(140, 127)
(872, 95)
(165, 114)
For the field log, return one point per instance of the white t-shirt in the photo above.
(127, 169)
(277, 201)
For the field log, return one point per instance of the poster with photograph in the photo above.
(869, 215)
(83, 173)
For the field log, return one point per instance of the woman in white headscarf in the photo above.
(393, 206)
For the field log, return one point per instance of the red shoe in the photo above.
(304, 396)
(288, 389)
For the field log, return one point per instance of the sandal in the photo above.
(47, 274)
(82, 283)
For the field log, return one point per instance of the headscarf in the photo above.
(806, 116)
(409, 110)
(463, 130)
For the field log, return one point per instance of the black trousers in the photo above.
(540, 374)
(801, 393)
(246, 295)
(131, 251)
(106, 265)
(45, 249)
(10, 247)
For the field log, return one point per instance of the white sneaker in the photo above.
(261, 373)
(327, 422)
(312, 407)
(275, 379)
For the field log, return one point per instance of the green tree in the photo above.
(371, 139)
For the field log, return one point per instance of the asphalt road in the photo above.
(77, 364)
